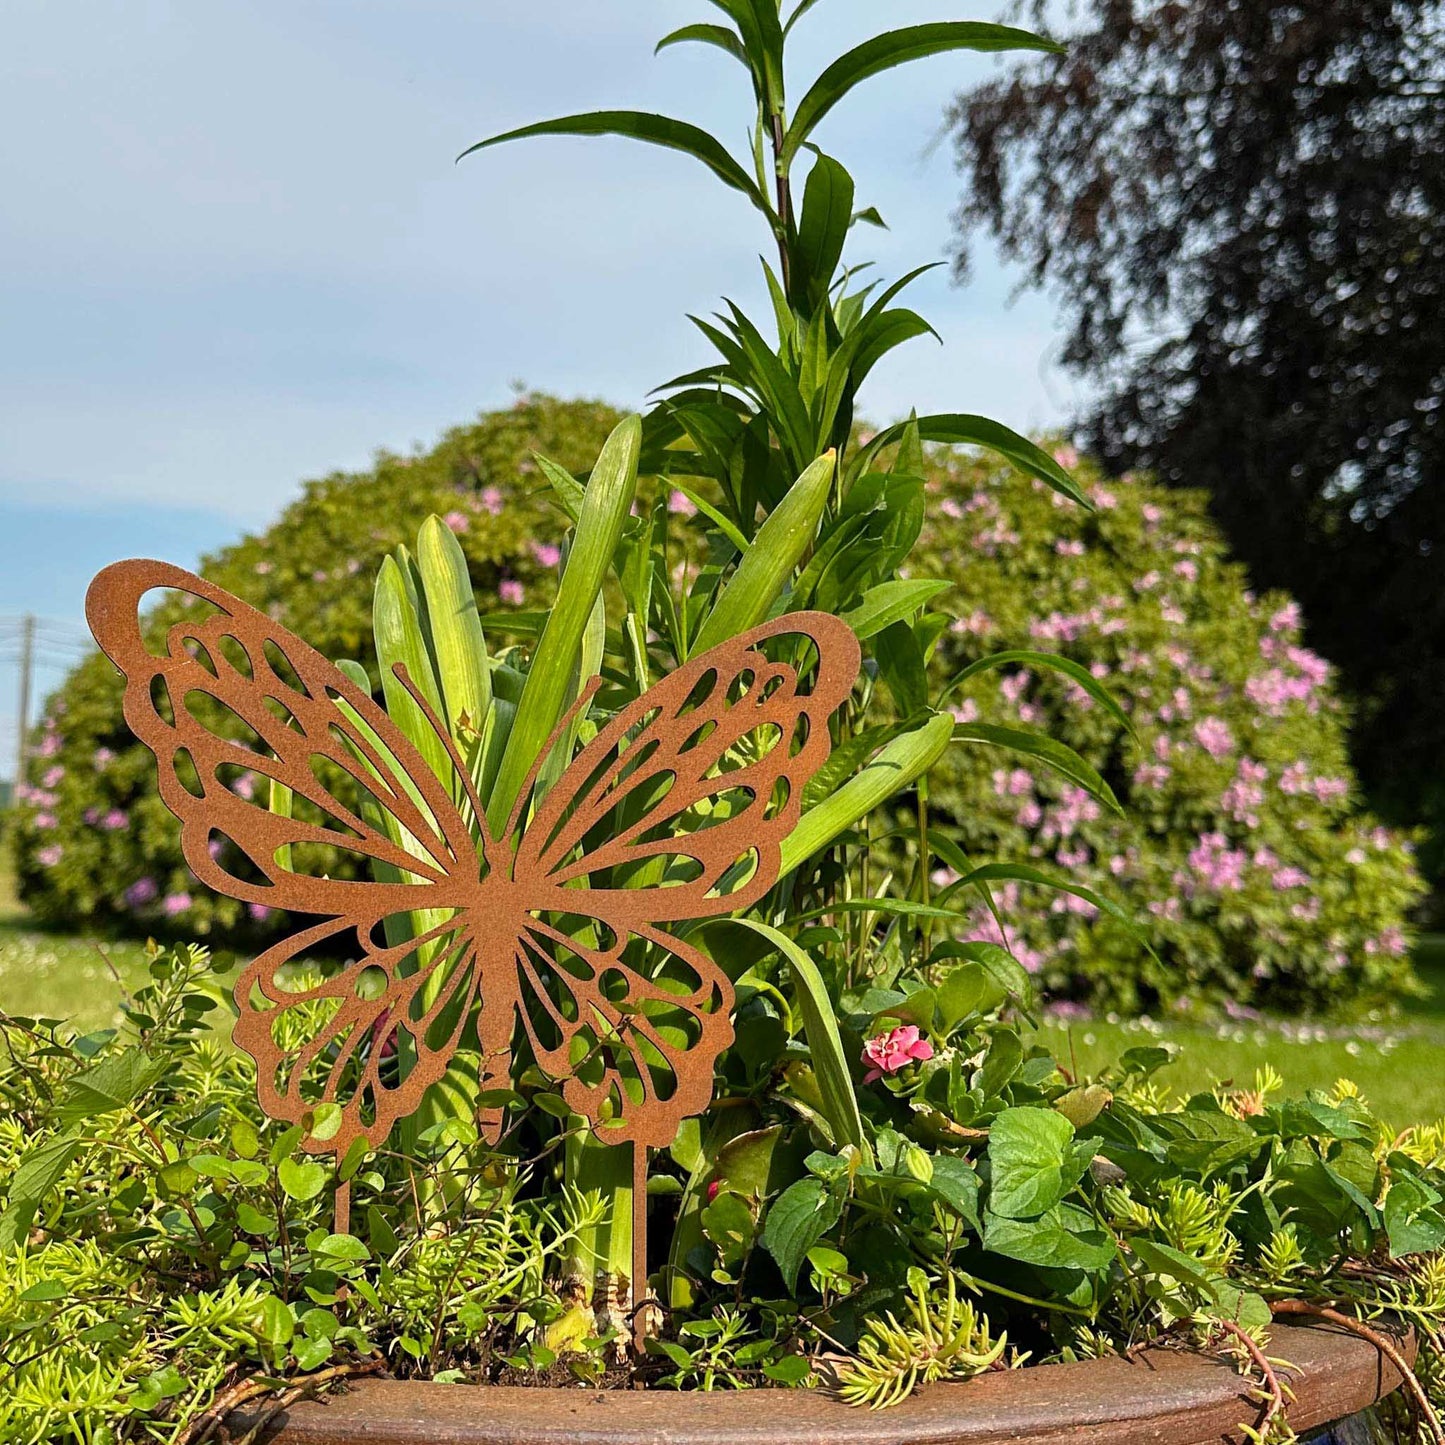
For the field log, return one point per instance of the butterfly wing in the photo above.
(231, 702)
(691, 788)
(676, 810)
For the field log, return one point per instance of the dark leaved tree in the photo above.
(1241, 207)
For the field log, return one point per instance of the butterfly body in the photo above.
(564, 940)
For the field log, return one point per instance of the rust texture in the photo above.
(1164, 1397)
(547, 941)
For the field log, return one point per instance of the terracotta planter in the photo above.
(1163, 1398)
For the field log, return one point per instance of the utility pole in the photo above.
(27, 665)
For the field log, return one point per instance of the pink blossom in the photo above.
(1213, 735)
(176, 903)
(1295, 779)
(258, 911)
(976, 624)
(92, 817)
(141, 892)
(681, 504)
(1287, 878)
(1355, 857)
(1067, 548)
(1330, 789)
(1031, 814)
(1147, 583)
(49, 857)
(1066, 456)
(44, 821)
(951, 508)
(1218, 866)
(1245, 795)
(115, 820)
(1068, 1011)
(1152, 515)
(263, 569)
(1017, 783)
(1307, 911)
(1104, 498)
(1172, 613)
(892, 1052)
(1151, 775)
(1014, 686)
(52, 777)
(101, 757)
(1163, 746)
(511, 592)
(458, 521)
(319, 576)
(1381, 838)
(1287, 619)
(548, 554)
(50, 744)
(1391, 941)
(965, 712)
(1189, 571)
(215, 848)
(245, 786)
(491, 500)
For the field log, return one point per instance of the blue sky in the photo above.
(235, 251)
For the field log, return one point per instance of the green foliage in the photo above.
(160, 1241)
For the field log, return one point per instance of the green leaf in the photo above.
(302, 1179)
(903, 668)
(1412, 1221)
(457, 642)
(45, 1291)
(898, 47)
(823, 228)
(958, 429)
(658, 130)
(898, 765)
(716, 35)
(790, 1370)
(1052, 662)
(278, 1322)
(605, 510)
(767, 566)
(114, 1083)
(955, 1181)
(825, 1043)
(802, 1214)
(1049, 751)
(891, 602)
(1062, 1238)
(1033, 1162)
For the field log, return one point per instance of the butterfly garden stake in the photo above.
(548, 941)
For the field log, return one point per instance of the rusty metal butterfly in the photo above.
(547, 939)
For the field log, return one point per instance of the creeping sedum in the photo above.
(1243, 849)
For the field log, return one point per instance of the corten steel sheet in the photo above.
(1165, 1398)
(536, 938)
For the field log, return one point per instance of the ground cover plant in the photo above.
(885, 1181)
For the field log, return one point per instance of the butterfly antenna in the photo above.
(568, 718)
(444, 735)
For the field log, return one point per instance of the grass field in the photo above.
(1399, 1065)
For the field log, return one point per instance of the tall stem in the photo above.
(785, 204)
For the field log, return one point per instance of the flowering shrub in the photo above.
(1241, 848)
(95, 843)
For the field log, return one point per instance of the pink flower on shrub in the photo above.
(1152, 515)
(458, 521)
(681, 505)
(1287, 619)
(176, 903)
(1189, 571)
(52, 777)
(1330, 789)
(1213, 735)
(49, 745)
(44, 821)
(1295, 779)
(1391, 941)
(491, 500)
(92, 817)
(141, 892)
(1066, 548)
(258, 911)
(101, 757)
(1066, 456)
(951, 508)
(511, 592)
(1218, 866)
(49, 857)
(891, 1052)
(548, 554)
(1290, 877)
(114, 820)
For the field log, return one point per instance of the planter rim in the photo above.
(1172, 1396)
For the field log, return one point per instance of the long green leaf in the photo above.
(1040, 746)
(901, 763)
(1052, 661)
(716, 35)
(959, 429)
(823, 226)
(767, 565)
(458, 645)
(891, 602)
(658, 130)
(605, 508)
(898, 47)
(401, 642)
(825, 1043)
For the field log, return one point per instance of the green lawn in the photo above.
(1399, 1065)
